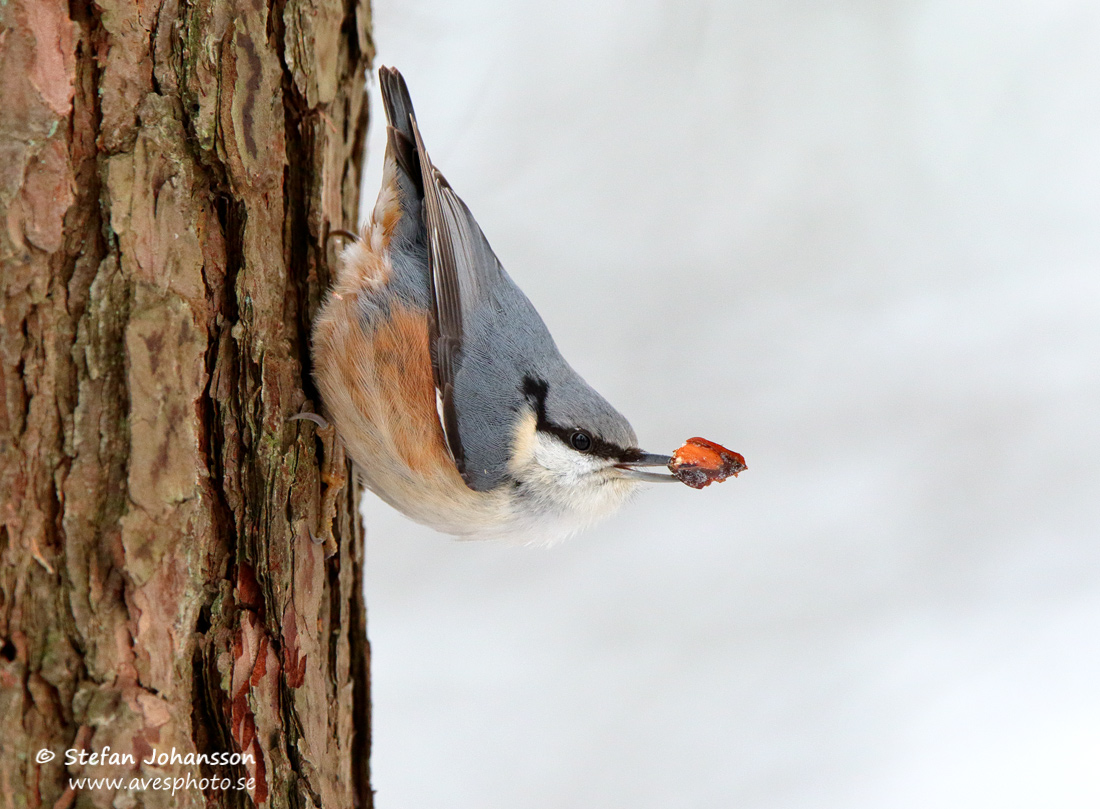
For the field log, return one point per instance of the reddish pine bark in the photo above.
(169, 171)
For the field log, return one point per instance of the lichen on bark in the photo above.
(168, 174)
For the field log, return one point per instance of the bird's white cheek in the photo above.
(567, 466)
(524, 446)
(581, 484)
(542, 458)
(562, 487)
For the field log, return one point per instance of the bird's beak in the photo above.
(634, 468)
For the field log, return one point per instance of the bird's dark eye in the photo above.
(581, 441)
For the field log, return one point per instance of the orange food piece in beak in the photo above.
(699, 463)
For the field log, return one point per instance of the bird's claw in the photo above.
(316, 419)
(333, 476)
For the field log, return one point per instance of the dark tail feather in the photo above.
(399, 113)
(395, 95)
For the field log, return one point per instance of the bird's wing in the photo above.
(463, 271)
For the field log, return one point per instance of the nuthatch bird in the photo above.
(443, 382)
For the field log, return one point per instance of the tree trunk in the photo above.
(169, 172)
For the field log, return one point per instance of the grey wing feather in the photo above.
(463, 270)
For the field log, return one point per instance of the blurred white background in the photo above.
(881, 221)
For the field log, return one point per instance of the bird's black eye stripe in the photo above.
(536, 391)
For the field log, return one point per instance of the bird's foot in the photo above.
(333, 476)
